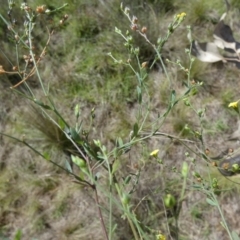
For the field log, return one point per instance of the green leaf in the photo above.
(139, 79)
(135, 130)
(235, 236)
(46, 156)
(81, 164)
(115, 166)
(18, 235)
(68, 166)
(139, 92)
(196, 186)
(42, 104)
(173, 97)
(78, 161)
(97, 143)
(172, 103)
(114, 228)
(127, 179)
(62, 124)
(75, 136)
(211, 202)
(194, 91)
(77, 111)
(118, 30)
(187, 92)
(104, 149)
(119, 142)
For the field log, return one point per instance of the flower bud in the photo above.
(169, 201)
(125, 199)
(144, 30)
(41, 9)
(144, 64)
(134, 27)
(134, 20)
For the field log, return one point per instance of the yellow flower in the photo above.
(154, 153)
(160, 237)
(181, 15)
(233, 104)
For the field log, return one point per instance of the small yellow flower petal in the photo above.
(160, 237)
(154, 153)
(233, 104)
(183, 14)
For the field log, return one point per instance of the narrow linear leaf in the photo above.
(120, 142)
(77, 111)
(127, 180)
(135, 130)
(139, 92)
(114, 228)
(187, 92)
(42, 104)
(196, 186)
(173, 96)
(68, 166)
(139, 79)
(211, 202)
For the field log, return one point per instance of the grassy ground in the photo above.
(44, 202)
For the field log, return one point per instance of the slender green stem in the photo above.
(30, 27)
(110, 179)
(163, 65)
(222, 216)
(57, 9)
(127, 213)
(100, 214)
